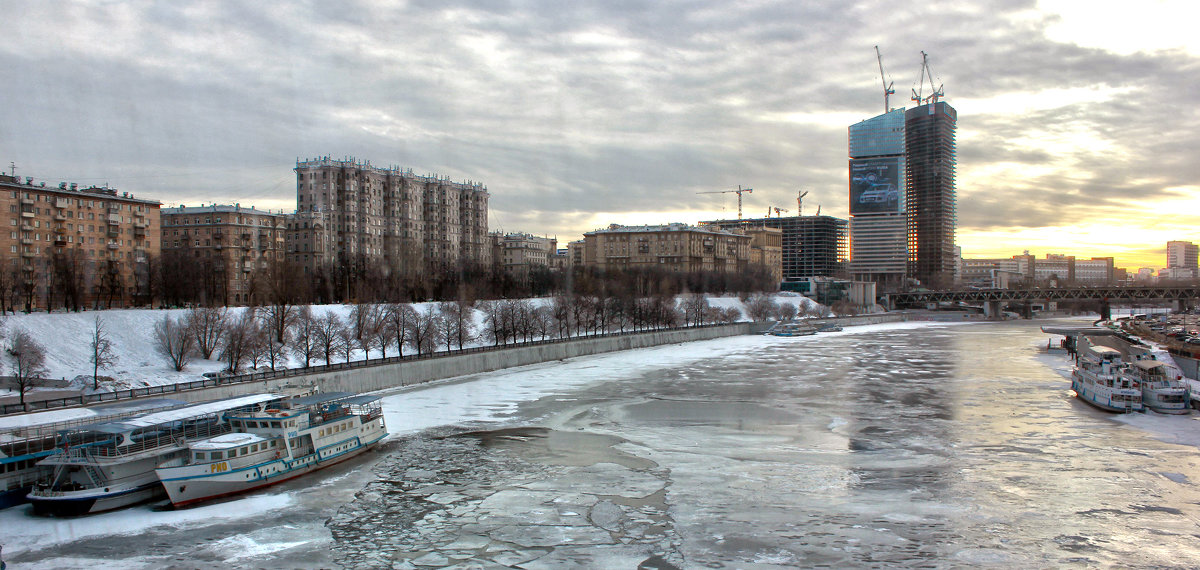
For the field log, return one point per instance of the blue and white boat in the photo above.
(109, 465)
(27, 439)
(273, 445)
(1099, 379)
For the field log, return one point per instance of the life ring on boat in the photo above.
(277, 455)
(273, 412)
(1136, 385)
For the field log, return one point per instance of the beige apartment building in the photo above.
(766, 249)
(75, 247)
(231, 245)
(516, 253)
(348, 211)
(673, 247)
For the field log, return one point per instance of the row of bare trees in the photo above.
(272, 336)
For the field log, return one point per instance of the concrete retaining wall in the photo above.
(407, 373)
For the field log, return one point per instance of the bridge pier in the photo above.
(991, 310)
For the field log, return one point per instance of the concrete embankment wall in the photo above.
(371, 378)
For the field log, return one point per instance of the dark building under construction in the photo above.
(813, 246)
(930, 196)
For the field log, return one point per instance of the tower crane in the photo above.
(738, 192)
(800, 202)
(778, 211)
(935, 92)
(887, 86)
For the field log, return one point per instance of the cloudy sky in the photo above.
(1078, 128)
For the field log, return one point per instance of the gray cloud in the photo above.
(564, 109)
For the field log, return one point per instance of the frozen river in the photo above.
(890, 445)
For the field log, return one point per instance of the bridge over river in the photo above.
(992, 300)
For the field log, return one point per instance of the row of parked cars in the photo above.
(1182, 328)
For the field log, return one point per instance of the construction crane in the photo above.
(800, 202)
(778, 212)
(936, 92)
(738, 192)
(887, 86)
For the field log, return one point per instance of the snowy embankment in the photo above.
(67, 339)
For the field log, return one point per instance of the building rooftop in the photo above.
(672, 227)
(14, 183)
(225, 208)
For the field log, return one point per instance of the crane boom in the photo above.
(738, 192)
(887, 87)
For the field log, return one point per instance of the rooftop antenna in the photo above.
(887, 86)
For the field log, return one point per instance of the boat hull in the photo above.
(1103, 401)
(89, 502)
(188, 485)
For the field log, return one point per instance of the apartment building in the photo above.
(516, 253)
(673, 247)
(349, 212)
(75, 247)
(232, 247)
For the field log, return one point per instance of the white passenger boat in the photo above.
(27, 439)
(273, 445)
(1098, 380)
(110, 465)
(1161, 392)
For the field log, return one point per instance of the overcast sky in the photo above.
(1077, 121)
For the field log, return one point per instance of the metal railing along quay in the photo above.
(86, 399)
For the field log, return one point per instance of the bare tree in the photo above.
(280, 318)
(209, 325)
(761, 308)
(174, 341)
(328, 336)
(257, 346)
(563, 309)
(346, 342)
(787, 311)
(238, 338)
(103, 354)
(27, 359)
(400, 317)
(694, 307)
(543, 321)
(370, 332)
(458, 327)
(304, 336)
(423, 332)
(274, 352)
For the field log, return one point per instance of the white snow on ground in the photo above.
(67, 338)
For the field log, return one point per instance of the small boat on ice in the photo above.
(273, 445)
(791, 329)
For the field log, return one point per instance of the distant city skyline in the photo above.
(1073, 134)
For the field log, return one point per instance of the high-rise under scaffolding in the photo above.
(813, 246)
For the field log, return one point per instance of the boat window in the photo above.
(200, 455)
(216, 455)
(251, 424)
(245, 450)
(253, 448)
(275, 424)
(272, 443)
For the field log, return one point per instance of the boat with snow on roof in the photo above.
(1162, 391)
(273, 445)
(109, 465)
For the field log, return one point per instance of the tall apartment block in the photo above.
(350, 212)
(231, 245)
(74, 247)
(1182, 257)
(930, 163)
(878, 219)
(811, 246)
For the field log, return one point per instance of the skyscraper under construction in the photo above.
(930, 158)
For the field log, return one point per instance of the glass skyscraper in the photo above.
(878, 244)
(930, 153)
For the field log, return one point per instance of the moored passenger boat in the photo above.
(791, 329)
(273, 445)
(27, 439)
(1161, 392)
(110, 465)
(1098, 380)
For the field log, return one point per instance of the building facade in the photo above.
(671, 247)
(930, 164)
(1182, 255)
(75, 247)
(356, 214)
(878, 226)
(517, 253)
(231, 245)
(811, 246)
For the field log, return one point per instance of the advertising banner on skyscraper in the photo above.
(874, 185)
